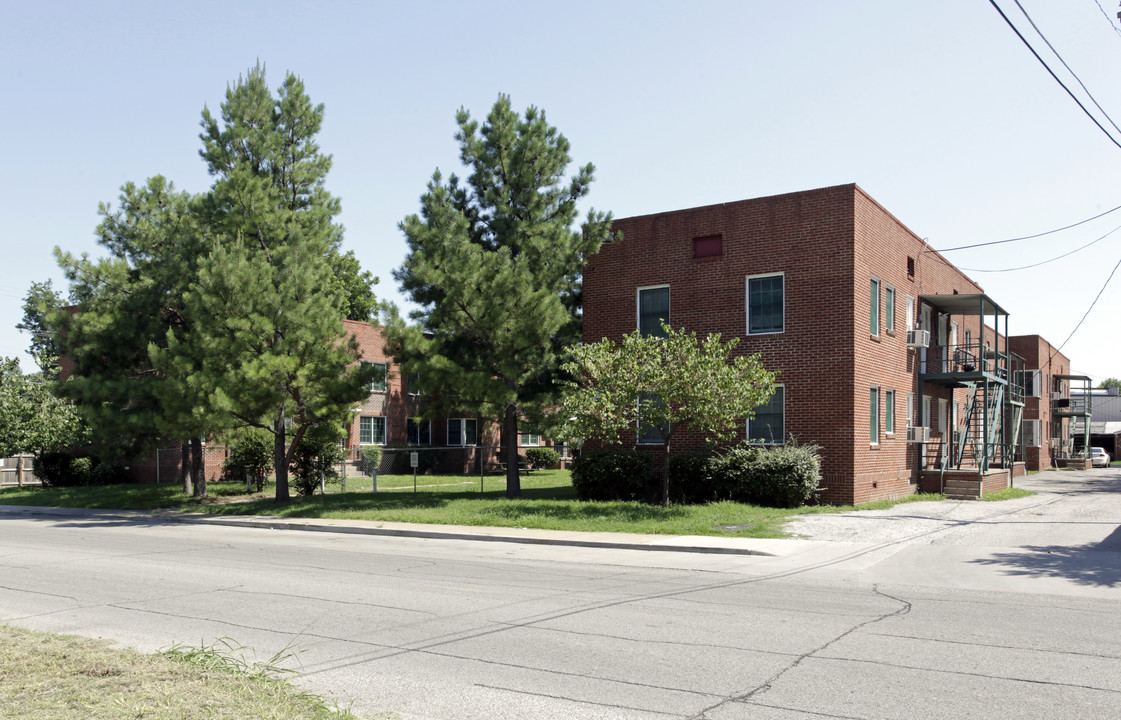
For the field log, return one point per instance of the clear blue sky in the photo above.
(936, 109)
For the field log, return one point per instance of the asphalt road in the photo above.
(980, 610)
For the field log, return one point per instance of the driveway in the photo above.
(1066, 539)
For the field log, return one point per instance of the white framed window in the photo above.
(371, 430)
(889, 412)
(889, 308)
(412, 384)
(652, 305)
(874, 307)
(874, 415)
(943, 415)
(910, 409)
(529, 439)
(419, 431)
(765, 304)
(769, 424)
(1032, 380)
(1032, 436)
(910, 313)
(378, 384)
(462, 431)
(925, 411)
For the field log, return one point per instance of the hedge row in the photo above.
(782, 476)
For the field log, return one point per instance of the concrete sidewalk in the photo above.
(829, 535)
(525, 536)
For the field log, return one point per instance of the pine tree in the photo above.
(494, 263)
(267, 344)
(127, 302)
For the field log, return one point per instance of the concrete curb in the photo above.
(616, 541)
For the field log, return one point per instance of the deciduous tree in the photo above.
(664, 384)
(32, 418)
(40, 304)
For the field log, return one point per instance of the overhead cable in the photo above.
(1096, 298)
(1064, 62)
(1052, 72)
(1044, 262)
(1029, 237)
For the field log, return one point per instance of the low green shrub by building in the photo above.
(612, 475)
(782, 476)
(542, 457)
(62, 469)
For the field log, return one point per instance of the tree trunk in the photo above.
(665, 474)
(280, 457)
(198, 468)
(510, 451)
(184, 466)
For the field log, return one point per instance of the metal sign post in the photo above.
(414, 462)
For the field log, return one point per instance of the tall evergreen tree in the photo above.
(127, 302)
(494, 264)
(267, 343)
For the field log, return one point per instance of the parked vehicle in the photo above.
(1099, 457)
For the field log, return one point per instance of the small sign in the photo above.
(414, 459)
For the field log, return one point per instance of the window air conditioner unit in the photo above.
(918, 338)
(918, 434)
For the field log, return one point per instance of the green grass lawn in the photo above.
(548, 502)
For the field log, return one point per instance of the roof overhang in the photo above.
(963, 304)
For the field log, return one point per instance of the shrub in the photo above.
(691, 479)
(251, 456)
(317, 454)
(784, 476)
(369, 460)
(103, 473)
(611, 475)
(61, 469)
(542, 457)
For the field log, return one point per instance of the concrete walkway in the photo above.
(1070, 509)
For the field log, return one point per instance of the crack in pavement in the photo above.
(767, 684)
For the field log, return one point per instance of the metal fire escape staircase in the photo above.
(978, 435)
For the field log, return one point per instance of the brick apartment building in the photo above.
(1050, 415)
(890, 358)
(391, 415)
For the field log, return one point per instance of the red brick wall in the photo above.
(827, 243)
(1040, 355)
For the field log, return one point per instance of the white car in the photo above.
(1099, 457)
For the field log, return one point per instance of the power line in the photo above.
(1052, 72)
(1030, 237)
(1115, 28)
(1096, 298)
(1064, 62)
(1044, 262)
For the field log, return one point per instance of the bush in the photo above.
(612, 475)
(691, 479)
(251, 456)
(319, 451)
(542, 457)
(103, 473)
(784, 476)
(369, 460)
(60, 469)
